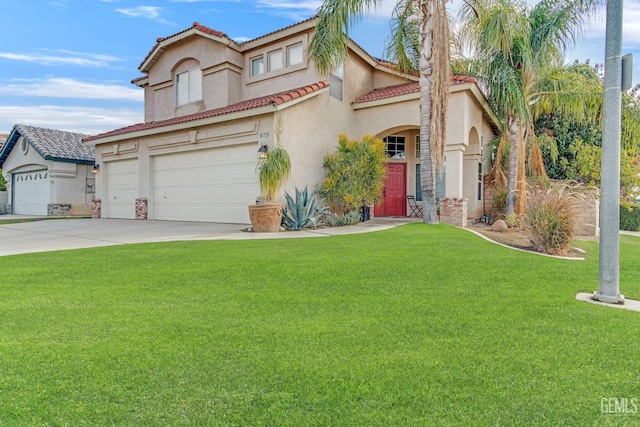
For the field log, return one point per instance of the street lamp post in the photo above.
(609, 266)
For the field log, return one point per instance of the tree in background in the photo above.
(517, 55)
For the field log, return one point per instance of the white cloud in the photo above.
(68, 58)
(80, 119)
(147, 12)
(70, 88)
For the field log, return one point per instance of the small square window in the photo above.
(395, 146)
(295, 55)
(274, 60)
(257, 66)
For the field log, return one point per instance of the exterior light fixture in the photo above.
(262, 152)
(96, 169)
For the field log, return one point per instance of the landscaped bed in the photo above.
(418, 325)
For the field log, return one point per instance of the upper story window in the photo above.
(336, 83)
(257, 66)
(295, 54)
(394, 146)
(274, 60)
(189, 86)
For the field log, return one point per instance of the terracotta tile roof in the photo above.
(276, 99)
(51, 144)
(281, 29)
(404, 89)
(196, 26)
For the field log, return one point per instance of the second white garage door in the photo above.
(121, 188)
(213, 185)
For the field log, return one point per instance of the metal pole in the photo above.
(609, 286)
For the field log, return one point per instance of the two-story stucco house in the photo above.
(211, 103)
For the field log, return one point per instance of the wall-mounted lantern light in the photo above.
(96, 169)
(262, 152)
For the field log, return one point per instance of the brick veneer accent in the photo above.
(453, 211)
(142, 209)
(96, 209)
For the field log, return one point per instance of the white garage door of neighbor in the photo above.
(121, 188)
(31, 193)
(213, 185)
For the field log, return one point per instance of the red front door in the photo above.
(394, 194)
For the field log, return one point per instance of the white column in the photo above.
(455, 171)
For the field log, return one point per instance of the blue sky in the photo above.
(67, 64)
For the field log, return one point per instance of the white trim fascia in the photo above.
(387, 101)
(141, 82)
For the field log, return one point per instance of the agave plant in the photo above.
(303, 212)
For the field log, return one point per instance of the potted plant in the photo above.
(266, 215)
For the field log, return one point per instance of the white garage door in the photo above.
(31, 193)
(213, 185)
(121, 188)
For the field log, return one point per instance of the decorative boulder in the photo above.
(499, 225)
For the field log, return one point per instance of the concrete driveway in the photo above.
(60, 234)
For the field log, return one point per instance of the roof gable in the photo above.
(195, 29)
(51, 144)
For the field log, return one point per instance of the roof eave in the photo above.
(386, 101)
(271, 108)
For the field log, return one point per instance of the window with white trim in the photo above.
(295, 55)
(336, 83)
(418, 152)
(257, 66)
(441, 182)
(189, 86)
(394, 146)
(274, 60)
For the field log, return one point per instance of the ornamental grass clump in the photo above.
(550, 218)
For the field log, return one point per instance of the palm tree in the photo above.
(419, 42)
(518, 54)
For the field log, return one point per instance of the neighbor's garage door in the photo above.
(121, 188)
(214, 185)
(31, 193)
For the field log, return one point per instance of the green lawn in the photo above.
(418, 325)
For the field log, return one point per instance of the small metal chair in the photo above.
(416, 209)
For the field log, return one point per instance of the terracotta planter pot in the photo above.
(266, 217)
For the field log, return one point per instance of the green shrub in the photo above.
(550, 219)
(355, 174)
(303, 212)
(3, 184)
(350, 218)
(630, 217)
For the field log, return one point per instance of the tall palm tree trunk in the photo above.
(435, 79)
(513, 125)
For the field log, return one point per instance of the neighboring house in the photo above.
(210, 103)
(48, 172)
